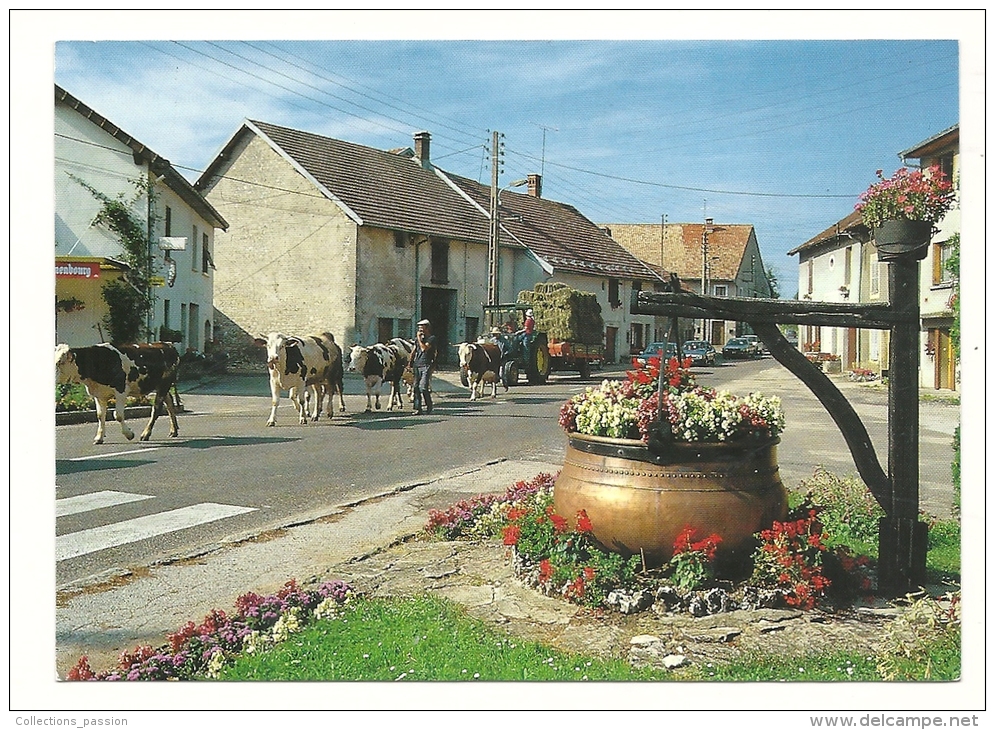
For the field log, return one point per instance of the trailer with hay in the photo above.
(572, 325)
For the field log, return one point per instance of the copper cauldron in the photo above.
(638, 503)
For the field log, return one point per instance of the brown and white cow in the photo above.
(379, 364)
(107, 371)
(295, 364)
(480, 362)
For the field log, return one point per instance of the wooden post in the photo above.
(902, 537)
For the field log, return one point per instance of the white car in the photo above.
(758, 349)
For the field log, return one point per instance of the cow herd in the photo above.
(310, 368)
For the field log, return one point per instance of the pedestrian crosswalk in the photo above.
(91, 540)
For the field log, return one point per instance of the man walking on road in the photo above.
(422, 365)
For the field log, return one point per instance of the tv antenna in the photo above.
(544, 127)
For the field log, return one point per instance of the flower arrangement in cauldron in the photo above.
(919, 195)
(631, 408)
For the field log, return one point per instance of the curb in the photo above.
(66, 418)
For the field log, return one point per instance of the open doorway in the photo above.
(438, 306)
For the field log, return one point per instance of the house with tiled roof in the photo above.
(90, 150)
(938, 363)
(331, 235)
(722, 259)
(839, 264)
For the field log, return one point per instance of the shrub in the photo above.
(848, 511)
(693, 563)
(955, 471)
(789, 558)
(924, 642)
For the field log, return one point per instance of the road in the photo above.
(125, 505)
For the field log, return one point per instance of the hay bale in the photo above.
(564, 313)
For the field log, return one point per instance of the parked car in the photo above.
(700, 352)
(653, 350)
(739, 347)
(759, 350)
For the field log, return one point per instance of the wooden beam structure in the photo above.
(901, 536)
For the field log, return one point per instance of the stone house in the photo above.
(329, 235)
(91, 149)
(721, 259)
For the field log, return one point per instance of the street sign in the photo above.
(157, 281)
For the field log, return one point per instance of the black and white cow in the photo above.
(333, 386)
(295, 364)
(379, 364)
(107, 371)
(480, 362)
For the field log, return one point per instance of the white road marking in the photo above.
(116, 453)
(99, 538)
(96, 500)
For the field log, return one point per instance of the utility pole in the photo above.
(663, 237)
(704, 276)
(493, 253)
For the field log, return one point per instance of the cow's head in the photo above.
(65, 365)
(466, 354)
(357, 358)
(276, 344)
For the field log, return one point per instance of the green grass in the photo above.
(840, 666)
(943, 552)
(419, 639)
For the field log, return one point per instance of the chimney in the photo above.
(708, 222)
(535, 185)
(421, 149)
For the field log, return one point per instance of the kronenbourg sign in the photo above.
(77, 270)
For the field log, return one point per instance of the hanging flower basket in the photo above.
(902, 209)
(901, 237)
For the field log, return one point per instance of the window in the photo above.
(440, 261)
(400, 239)
(169, 221)
(946, 163)
(847, 265)
(194, 259)
(194, 328)
(941, 255)
(810, 276)
(385, 329)
(205, 253)
(875, 275)
(720, 290)
(183, 321)
(614, 296)
(165, 314)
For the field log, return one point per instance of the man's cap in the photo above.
(495, 330)
(425, 322)
(528, 312)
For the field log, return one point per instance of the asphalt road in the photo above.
(125, 505)
(228, 476)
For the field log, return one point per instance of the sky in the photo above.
(781, 134)
(687, 114)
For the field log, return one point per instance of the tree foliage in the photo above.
(953, 266)
(131, 298)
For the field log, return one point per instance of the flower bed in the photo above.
(791, 565)
(197, 651)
